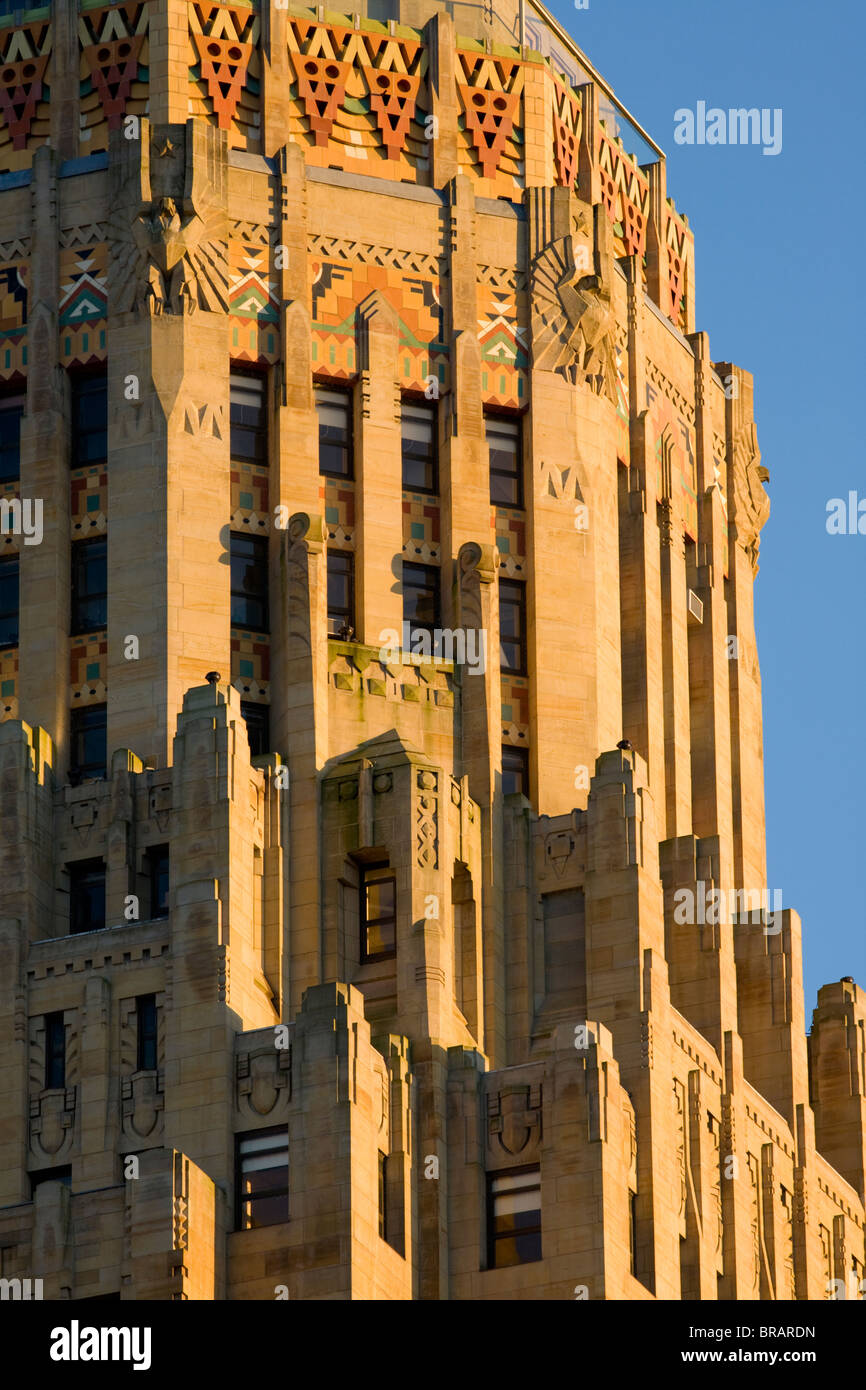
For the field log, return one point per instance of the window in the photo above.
(341, 594)
(87, 744)
(513, 1218)
(383, 1197)
(89, 419)
(89, 586)
(145, 1028)
(378, 912)
(515, 770)
(419, 448)
(248, 418)
(86, 895)
(632, 1232)
(504, 444)
(156, 859)
(11, 410)
(249, 561)
(421, 596)
(335, 432)
(63, 1175)
(512, 626)
(263, 1178)
(9, 570)
(55, 1052)
(258, 721)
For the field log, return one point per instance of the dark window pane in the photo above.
(514, 1218)
(258, 722)
(86, 895)
(383, 1198)
(248, 418)
(89, 419)
(87, 752)
(512, 626)
(421, 596)
(55, 1052)
(249, 564)
(515, 770)
(157, 872)
(378, 912)
(341, 593)
(89, 586)
(335, 432)
(419, 448)
(9, 570)
(263, 1178)
(146, 1027)
(11, 411)
(506, 461)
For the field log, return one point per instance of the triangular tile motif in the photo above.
(20, 94)
(625, 194)
(225, 39)
(224, 64)
(113, 69)
(392, 97)
(322, 89)
(490, 92)
(566, 135)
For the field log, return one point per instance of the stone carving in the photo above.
(427, 822)
(751, 503)
(514, 1121)
(263, 1081)
(572, 321)
(168, 230)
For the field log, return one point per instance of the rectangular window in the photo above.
(420, 473)
(513, 1218)
(89, 586)
(512, 626)
(11, 411)
(505, 449)
(157, 874)
(86, 895)
(55, 1052)
(515, 770)
(334, 409)
(146, 1032)
(258, 721)
(249, 562)
(341, 594)
(9, 570)
(421, 596)
(87, 744)
(632, 1232)
(378, 912)
(383, 1197)
(263, 1178)
(248, 418)
(89, 419)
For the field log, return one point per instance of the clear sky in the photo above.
(780, 290)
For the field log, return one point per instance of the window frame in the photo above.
(10, 567)
(11, 403)
(331, 558)
(523, 755)
(238, 377)
(85, 771)
(321, 390)
(80, 567)
(154, 856)
(520, 604)
(241, 1198)
(78, 383)
(494, 1238)
(79, 870)
(55, 1051)
(434, 587)
(146, 1032)
(491, 418)
(261, 725)
(383, 867)
(260, 561)
(429, 408)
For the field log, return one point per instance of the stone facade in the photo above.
(415, 208)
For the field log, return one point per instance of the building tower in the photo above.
(384, 906)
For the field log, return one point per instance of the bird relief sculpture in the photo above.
(572, 322)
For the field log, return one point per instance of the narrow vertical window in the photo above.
(513, 1218)
(334, 409)
(157, 874)
(88, 748)
(11, 411)
(421, 597)
(512, 626)
(515, 770)
(341, 594)
(89, 586)
(378, 912)
(146, 1032)
(55, 1052)
(86, 895)
(504, 445)
(248, 418)
(249, 581)
(9, 601)
(418, 429)
(89, 419)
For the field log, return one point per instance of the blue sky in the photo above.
(780, 291)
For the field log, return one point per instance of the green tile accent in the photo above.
(417, 530)
(7, 688)
(245, 499)
(332, 516)
(91, 672)
(93, 503)
(246, 668)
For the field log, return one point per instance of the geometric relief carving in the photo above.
(263, 1082)
(52, 1112)
(572, 323)
(751, 503)
(141, 1092)
(514, 1122)
(426, 822)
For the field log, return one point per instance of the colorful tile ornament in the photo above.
(25, 70)
(338, 501)
(88, 653)
(625, 194)
(250, 498)
(421, 528)
(113, 70)
(502, 335)
(88, 502)
(8, 683)
(514, 693)
(225, 68)
(254, 307)
(490, 142)
(251, 664)
(13, 319)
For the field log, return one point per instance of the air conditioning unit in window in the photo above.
(696, 607)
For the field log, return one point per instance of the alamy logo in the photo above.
(22, 518)
(718, 907)
(738, 126)
(467, 648)
(23, 1290)
(76, 1343)
(846, 519)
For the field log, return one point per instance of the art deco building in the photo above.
(338, 958)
